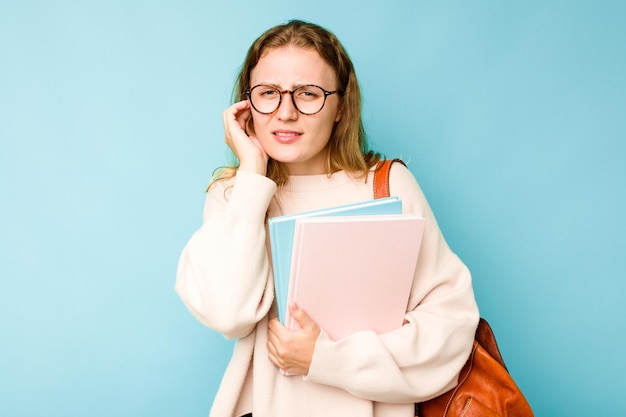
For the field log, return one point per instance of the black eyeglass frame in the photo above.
(248, 92)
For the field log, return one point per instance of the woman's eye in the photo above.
(307, 94)
(268, 93)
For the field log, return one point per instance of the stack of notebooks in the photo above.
(349, 267)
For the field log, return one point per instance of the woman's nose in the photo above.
(287, 110)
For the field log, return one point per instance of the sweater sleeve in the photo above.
(423, 358)
(223, 272)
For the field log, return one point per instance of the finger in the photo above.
(271, 348)
(275, 330)
(237, 107)
(304, 320)
(238, 113)
(271, 354)
(273, 351)
(272, 322)
(275, 327)
(242, 117)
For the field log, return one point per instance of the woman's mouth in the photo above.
(286, 136)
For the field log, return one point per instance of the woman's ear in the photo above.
(339, 112)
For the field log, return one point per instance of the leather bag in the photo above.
(485, 387)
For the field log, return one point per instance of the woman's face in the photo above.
(299, 141)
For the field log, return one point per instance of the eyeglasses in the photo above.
(307, 99)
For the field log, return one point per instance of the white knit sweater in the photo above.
(225, 280)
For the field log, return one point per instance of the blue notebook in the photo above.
(282, 229)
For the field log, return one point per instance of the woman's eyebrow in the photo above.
(279, 87)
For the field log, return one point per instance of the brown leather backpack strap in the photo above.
(486, 338)
(381, 177)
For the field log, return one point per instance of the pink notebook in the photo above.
(354, 273)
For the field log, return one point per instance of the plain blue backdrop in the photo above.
(510, 114)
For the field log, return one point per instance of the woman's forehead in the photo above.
(291, 66)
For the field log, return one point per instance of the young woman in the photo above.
(299, 140)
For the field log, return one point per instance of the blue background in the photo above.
(510, 114)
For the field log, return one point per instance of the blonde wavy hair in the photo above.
(348, 147)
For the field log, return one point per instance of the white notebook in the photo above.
(353, 273)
